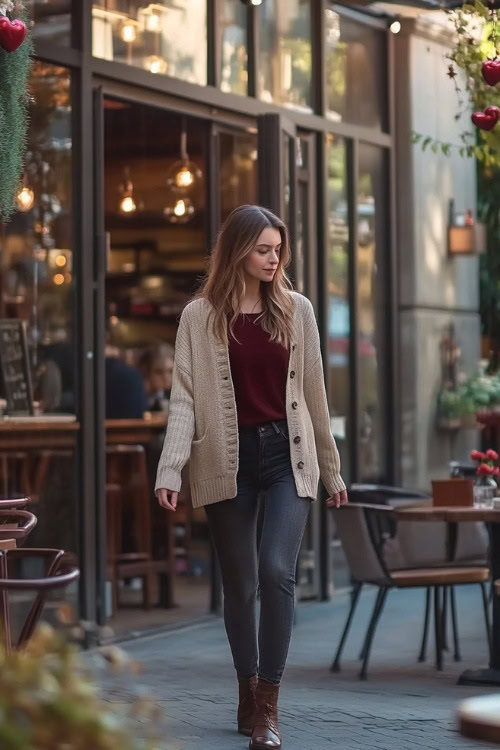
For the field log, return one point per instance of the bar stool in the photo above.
(44, 461)
(128, 490)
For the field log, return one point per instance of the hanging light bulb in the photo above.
(155, 64)
(127, 204)
(25, 198)
(128, 30)
(184, 175)
(151, 17)
(180, 211)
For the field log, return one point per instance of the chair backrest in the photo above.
(359, 531)
(16, 524)
(14, 503)
(421, 544)
(472, 543)
(59, 573)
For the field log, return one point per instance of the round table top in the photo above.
(479, 717)
(451, 513)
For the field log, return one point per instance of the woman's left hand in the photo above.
(340, 498)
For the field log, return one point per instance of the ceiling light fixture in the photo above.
(127, 204)
(184, 175)
(395, 27)
(25, 198)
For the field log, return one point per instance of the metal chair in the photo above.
(362, 532)
(16, 524)
(59, 573)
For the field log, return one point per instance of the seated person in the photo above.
(125, 393)
(156, 365)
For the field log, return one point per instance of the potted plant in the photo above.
(49, 701)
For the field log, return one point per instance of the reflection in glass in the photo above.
(372, 310)
(238, 171)
(37, 287)
(52, 20)
(339, 368)
(355, 71)
(285, 53)
(163, 37)
(232, 41)
(37, 283)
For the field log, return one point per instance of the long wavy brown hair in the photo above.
(224, 285)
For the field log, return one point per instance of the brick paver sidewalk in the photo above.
(402, 705)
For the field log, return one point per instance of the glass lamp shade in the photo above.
(25, 198)
(184, 176)
(179, 210)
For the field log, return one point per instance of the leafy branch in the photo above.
(477, 28)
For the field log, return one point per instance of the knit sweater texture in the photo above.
(202, 419)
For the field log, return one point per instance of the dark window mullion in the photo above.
(352, 202)
(213, 47)
(318, 57)
(253, 19)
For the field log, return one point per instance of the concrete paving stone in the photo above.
(403, 705)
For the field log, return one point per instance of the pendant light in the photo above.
(184, 175)
(127, 204)
(25, 197)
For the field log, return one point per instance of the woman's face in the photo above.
(262, 261)
(160, 375)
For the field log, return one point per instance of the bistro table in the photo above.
(454, 515)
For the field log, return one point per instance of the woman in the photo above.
(248, 407)
(156, 365)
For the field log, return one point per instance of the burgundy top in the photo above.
(259, 368)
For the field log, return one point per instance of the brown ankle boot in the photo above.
(247, 705)
(266, 733)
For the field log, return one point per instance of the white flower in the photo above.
(6, 6)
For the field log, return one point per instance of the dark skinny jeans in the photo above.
(260, 555)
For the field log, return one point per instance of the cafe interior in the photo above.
(155, 182)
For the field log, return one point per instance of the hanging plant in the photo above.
(15, 51)
(476, 52)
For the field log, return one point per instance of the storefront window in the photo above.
(164, 38)
(339, 330)
(355, 72)
(371, 263)
(238, 171)
(52, 20)
(285, 62)
(232, 41)
(37, 450)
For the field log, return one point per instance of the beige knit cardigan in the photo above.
(202, 418)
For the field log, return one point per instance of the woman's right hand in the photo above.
(167, 498)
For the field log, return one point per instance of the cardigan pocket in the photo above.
(200, 440)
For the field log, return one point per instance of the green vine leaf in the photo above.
(481, 9)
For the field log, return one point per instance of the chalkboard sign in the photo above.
(15, 367)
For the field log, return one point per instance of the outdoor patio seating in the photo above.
(362, 530)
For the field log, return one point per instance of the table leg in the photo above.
(490, 675)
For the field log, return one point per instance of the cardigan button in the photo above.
(296, 439)
(294, 405)
(226, 378)
(293, 347)
(300, 465)
(292, 374)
